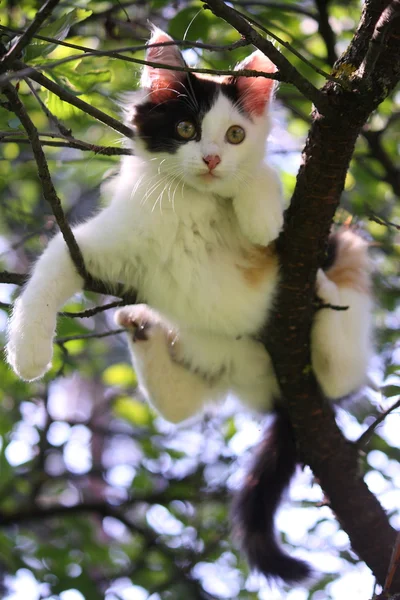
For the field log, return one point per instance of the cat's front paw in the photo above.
(260, 223)
(29, 354)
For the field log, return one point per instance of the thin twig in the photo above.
(27, 71)
(382, 221)
(116, 52)
(52, 118)
(281, 6)
(87, 336)
(83, 314)
(90, 312)
(366, 436)
(76, 144)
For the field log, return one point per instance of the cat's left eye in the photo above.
(186, 130)
(235, 134)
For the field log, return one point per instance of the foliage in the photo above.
(97, 493)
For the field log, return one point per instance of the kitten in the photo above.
(190, 226)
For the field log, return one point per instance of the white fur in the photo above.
(341, 341)
(180, 240)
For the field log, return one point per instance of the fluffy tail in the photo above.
(255, 505)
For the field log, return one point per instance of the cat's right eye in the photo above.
(186, 130)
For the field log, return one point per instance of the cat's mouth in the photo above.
(209, 176)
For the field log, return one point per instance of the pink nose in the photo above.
(212, 160)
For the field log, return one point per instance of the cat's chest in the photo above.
(202, 273)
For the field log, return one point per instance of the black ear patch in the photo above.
(194, 97)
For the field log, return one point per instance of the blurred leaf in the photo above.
(134, 411)
(58, 30)
(120, 374)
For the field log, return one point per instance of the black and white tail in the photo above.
(256, 504)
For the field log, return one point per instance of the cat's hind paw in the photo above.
(140, 321)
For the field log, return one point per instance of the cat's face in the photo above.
(205, 133)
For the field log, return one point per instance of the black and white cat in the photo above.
(190, 225)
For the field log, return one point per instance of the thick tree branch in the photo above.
(320, 181)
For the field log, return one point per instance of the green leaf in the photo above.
(191, 22)
(391, 390)
(58, 30)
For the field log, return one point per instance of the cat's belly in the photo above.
(212, 289)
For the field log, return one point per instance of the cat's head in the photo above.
(207, 132)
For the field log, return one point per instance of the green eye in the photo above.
(235, 134)
(186, 130)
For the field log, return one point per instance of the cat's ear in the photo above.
(256, 92)
(162, 83)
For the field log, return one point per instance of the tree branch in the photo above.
(77, 144)
(87, 336)
(14, 52)
(326, 32)
(27, 70)
(116, 53)
(67, 96)
(296, 8)
(287, 71)
(366, 436)
(128, 296)
(49, 191)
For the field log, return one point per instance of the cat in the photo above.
(191, 226)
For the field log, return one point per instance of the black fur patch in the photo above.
(331, 252)
(257, 502)
(156, 123)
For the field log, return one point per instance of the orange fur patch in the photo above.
(259, 262)
(352, 268)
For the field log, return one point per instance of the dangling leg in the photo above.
(341, 342)
(253, 379)
(173, 389)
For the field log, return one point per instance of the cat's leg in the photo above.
(341, 340)
(253, 379)
(172, 388)
(241, 364)
(53, 281)
(259, 207)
